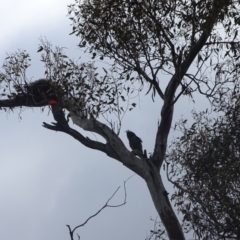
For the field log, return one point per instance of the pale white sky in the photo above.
(23, 16)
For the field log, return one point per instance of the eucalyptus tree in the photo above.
(142, 40)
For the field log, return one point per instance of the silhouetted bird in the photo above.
(58, 115)
(134, 141)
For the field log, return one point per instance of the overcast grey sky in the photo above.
(48, 179)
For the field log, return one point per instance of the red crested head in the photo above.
(52, 103)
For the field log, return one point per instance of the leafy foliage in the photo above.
(204, 168)
(81, 87)
(14, 73)
(148, 37)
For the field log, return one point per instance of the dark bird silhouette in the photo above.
(58, 115)
(135, 142)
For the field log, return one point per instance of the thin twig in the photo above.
(71, 231)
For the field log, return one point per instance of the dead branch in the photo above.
(71, 231)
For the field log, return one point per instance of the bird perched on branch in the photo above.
(58, 115)
(135, 142)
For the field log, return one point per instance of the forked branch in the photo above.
(71, 231)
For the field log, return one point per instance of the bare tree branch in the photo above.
(71, 231)
(114, 142)
(223, 42)
(85, 141)
(167, 109)
(20, 101)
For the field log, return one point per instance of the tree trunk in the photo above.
(163, 205)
